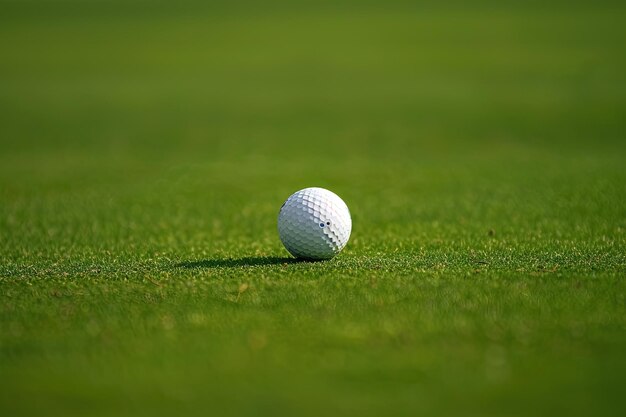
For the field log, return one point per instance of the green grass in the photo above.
(145, 152)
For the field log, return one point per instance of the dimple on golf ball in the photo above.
(314, 223)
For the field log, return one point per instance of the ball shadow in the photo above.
(239, 262)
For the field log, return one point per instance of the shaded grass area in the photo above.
(145, 155)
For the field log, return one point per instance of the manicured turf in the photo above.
(145, 152)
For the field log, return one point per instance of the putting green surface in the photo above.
(145, 151)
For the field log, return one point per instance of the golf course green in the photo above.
(146, 149)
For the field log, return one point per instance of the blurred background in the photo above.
(287, 81)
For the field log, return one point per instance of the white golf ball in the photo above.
(314, 223)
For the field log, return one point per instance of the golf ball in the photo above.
(314, 223)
